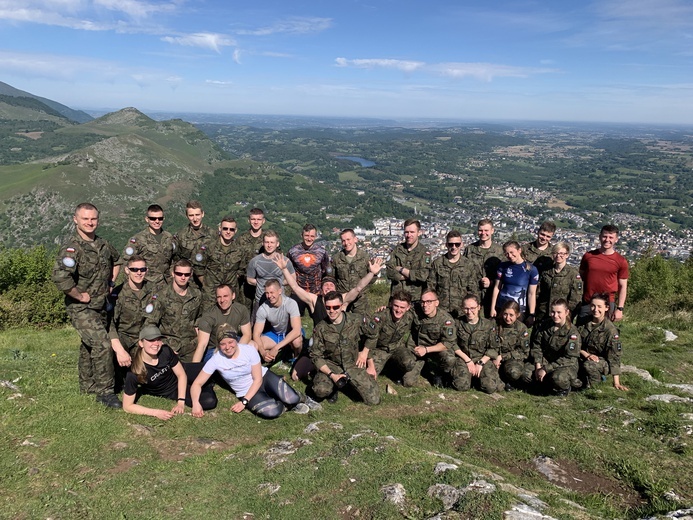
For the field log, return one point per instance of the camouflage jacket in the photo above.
(338, 344)
(485, 261)
(348, 274)
(176, 316)
(452, 282)
(428, 331)
(418, 261)
(603, 340)
(475, 339)
(130, 311)
(556, 347)
(192, 244)
(158, 252)
(552, 285)
(542, 260)
(383, 333)
(219, 264)
(511, 342)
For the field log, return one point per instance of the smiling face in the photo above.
(136, 271)
(334, 309)
(513, 254)
(228, 347)
(328, 287)
(598, 308)
(471, 308)
(399, 308)
(86, 221)
(485, 232)
(270, 244)
(309, 237)
(429, 304)
(509, 316)
(608, 240)
(227, 230)
(273, 294)
(155, 220)
(560, 256)
(256, 222)
(543, 238)
(195, 216)
(151, 347)
(348, 242)
(224, 298)
(559, 314)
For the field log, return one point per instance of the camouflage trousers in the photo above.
(398, 357)
(516, 372)
(95, 365)
(184, 347)
(488, 381)
(560, 378)
(364, 384)
(594, 370)
(444, 363)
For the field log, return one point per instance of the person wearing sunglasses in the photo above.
(156, 245)
(132, 301)
(452, 275)
(179, 307)
(335, 351)
(220, 262)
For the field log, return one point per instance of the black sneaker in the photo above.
(109, 401)
(509, 387)
(437, 382)
(332, 398)
(562, 393)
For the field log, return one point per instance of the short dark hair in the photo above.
(453, 234)
(609, 228)
(228, 218)
(154, 208)
(309, 227)
(256, 211)
(412, 222)
(429, 291)
(86, 205)
(225, 286)
(347, 230)
(181, 263)
(193, 204)
(333, 295)
(401, 296)
(136, 258)
(548, 226)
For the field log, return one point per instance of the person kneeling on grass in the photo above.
(156, 370)
(258, 389)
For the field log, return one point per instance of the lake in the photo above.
(365, 163)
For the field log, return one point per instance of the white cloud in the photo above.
(237, 56)
(211, 41)
(479, 71)
(219, 82)
(135, 8)
(403, 65)
(294, 25)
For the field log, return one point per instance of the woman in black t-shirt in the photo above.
(156, 370)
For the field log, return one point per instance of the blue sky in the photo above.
(606, 60)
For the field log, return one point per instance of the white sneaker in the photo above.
(301, 409)
(313, 404)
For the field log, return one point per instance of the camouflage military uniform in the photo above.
(452, 282)
(192, 244)
(601, 339)
(130, 312)
(542, 260)
(557, 351)
(348, 272)
(418, 261)
(386, 338)
(425, 332)
(88, 265)
(337, 346)
(475, 341)
(157, 250)
(512, 343)
(552, 285)
(485, 263)
(220, 264)
(249, 247)
(213, 319)
(176, 316)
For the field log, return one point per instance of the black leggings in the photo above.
(273, 397)
(208, 399)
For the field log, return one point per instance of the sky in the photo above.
(557, 60)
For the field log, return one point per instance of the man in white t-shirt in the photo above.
(284, 319)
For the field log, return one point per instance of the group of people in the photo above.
(202, 306)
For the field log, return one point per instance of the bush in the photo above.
(30, 267)
(664, 282)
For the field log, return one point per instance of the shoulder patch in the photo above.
(448, 323)
(376, 319)
(132, 240)
(573, 337)
(70, 249)
(616, 336)
(154, 296)
(68, 261)
(129, 251)
(203, 247)
(198, 257)
(525, 334)
(578, 276)
(149, 308)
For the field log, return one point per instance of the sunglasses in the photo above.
(138, 269)
(333, 307)
(454, 244)
(427, 302)
(182, 274)
(155, 218)
(228, 229)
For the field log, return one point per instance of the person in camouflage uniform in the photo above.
(85, 270)
(335, 351)
(474, 350)
(387, 335)
(132, 302)
(511, 341)
(155, 245)
(452, 276)
(250, 245)
(432, 339)
(601, 345)
(348, 267)
(226, 313)
(179, 307)
(485, 255)
(220, 263)
(409, 264)
(539, 251)
(555, 349)
(560, 281)
(193, 239)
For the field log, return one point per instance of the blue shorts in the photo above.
(277, 337)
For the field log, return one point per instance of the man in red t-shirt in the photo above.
(604, 270)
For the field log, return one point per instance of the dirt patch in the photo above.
(31, 135)
(184, 448)
(557, 203)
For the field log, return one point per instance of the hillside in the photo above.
(76, 116)
(127, 161)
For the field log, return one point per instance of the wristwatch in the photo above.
(244, 401)
(619, 309)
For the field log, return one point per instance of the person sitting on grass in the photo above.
(601, 345)
(156, 370)
(257, 388)
(511, 340)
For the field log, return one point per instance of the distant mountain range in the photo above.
(122, 162)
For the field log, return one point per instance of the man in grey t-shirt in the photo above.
(262, 268)
(284, 319)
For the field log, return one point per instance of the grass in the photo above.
(64, 456)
